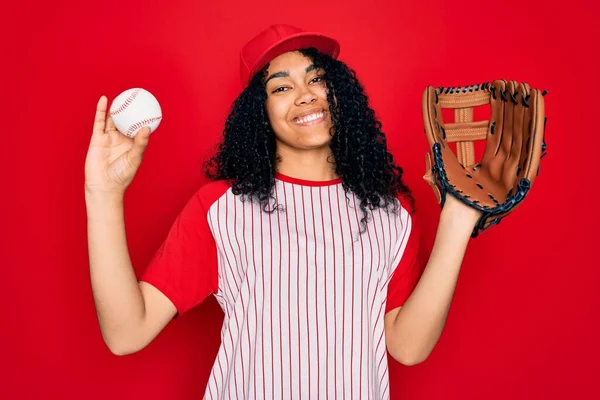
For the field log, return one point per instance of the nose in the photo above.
(305, 95)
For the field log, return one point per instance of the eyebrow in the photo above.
(285, 74)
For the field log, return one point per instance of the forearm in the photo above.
(420, 322)
(119, 301)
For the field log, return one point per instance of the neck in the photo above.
(311, 165)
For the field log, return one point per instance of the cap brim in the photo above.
(302, 40)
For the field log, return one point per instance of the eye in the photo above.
(279, 89)
(318, 79)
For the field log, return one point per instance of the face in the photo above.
(296, 103)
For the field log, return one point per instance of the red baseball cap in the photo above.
(276, 40)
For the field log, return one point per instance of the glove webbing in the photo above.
(464, 131)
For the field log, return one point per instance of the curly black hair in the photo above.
(247, 156)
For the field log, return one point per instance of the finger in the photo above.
(140, 143)
(536, 131)
(526, 129)
(432, 117)
(520, 133)
(511, 102)
(100, 118)
(494, 136)
(110, 125)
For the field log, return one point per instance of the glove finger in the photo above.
(525, 140)
(506, 139)
(512, 134)
(535, 128)
(434, 131)
(432, 118)
(491, 164)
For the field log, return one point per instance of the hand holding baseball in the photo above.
(113, 158)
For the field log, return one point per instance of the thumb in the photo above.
(140, 142)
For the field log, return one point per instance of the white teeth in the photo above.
(310, 117)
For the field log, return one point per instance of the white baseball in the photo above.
(133, 109)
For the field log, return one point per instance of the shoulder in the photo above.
(409, 210)
(210, 192)
(407, 202)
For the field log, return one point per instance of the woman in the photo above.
(305, 235)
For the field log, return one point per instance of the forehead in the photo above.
(289, 61)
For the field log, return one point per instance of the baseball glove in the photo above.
(514, 146)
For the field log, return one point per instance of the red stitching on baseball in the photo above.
(139, 124)
(126, 103)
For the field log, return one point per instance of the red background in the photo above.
(524, 319)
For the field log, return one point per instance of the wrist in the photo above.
(104, 209)
(103, 194)
(459, 215)
(96, 201)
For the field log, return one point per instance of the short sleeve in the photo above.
(185, 267)
(409, 269)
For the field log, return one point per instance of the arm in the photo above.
(130, 314)
(413, 329)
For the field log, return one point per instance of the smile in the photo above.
(310, 119)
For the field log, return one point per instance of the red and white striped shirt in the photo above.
(304, 295)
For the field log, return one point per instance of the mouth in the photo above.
(310, 119)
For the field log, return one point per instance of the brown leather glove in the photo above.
(514, 138)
